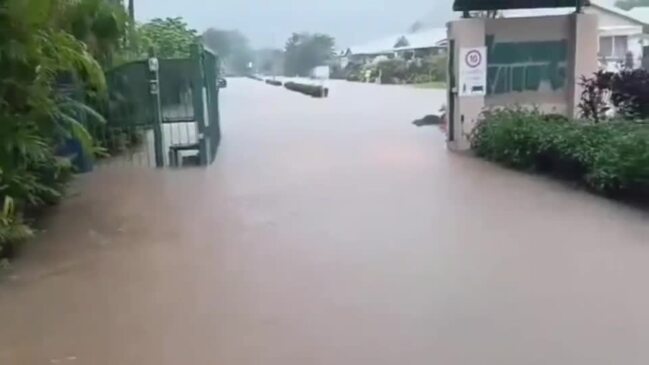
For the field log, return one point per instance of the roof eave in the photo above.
(481, 5)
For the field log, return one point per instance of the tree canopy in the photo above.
(630, 4)
(170, 37)
(100, 24)
(233, 48)
(304, 51)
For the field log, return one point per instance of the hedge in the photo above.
(313, 90)
(610, 158)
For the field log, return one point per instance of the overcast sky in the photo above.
(270, 22)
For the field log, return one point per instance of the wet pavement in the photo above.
(330, 232)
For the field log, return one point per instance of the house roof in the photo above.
(424, 39)
(377, 46)
(621, 12)
(429, 38)
(468, 5)
(435, 37)
(597, 4)
(641, 13)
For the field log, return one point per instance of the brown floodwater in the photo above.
(330, 232)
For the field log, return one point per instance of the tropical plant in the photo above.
(100, 24)
(626, 90)
(37, 55)
(595, 90)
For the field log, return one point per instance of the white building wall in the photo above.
(607, 19)
(618, 25)
(635, 46)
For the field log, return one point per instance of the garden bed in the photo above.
(610, 158)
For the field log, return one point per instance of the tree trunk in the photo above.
(131, 10)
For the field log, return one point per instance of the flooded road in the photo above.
(330, 232)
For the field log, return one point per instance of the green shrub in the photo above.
(509, 137)
(393, 71)
(39, 55)
(12, 230)
(608, 157)
(438, 68)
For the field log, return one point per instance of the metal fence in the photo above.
(162, 112)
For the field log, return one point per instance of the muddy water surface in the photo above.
(330, 232)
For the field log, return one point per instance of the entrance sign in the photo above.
(473, 71)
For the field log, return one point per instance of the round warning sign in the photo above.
(473, 58)
(473, 71)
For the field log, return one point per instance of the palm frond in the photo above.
(76, 130)
(71, 106)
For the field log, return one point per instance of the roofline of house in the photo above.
(616, 11)
(593, 3)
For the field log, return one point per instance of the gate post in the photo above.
(154, 91)
(198, 90)
(468, 88)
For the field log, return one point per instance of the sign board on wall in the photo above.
(473, 71)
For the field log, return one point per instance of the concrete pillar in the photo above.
(583, 57)
(463, 111)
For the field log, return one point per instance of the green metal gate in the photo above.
(162, 112)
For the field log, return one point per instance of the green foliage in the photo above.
(12, 230)
(100, 24)
(306, 51)
(416, 71)
(438, 68)
(170, 37)
(393, 71)
(626, 90)
(37, 54)
(610, 158)
(592, 104)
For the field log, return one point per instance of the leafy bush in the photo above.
(393, 71)
(628, 91)
(593, 104)
(170, 37)
(611, 158)
(352, 72)
(42, 46)
(416, 71)
(438, 68)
